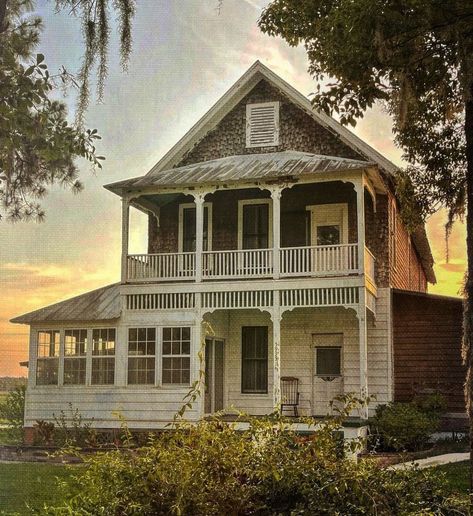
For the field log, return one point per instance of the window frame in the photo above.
(147, 356)
(260, 392)
(101, 357)
(248, 126)
(55, 357)
(83, 356)
(331, 375)
(162, 356)
(325, 212)
(180, 236)
(244, 202)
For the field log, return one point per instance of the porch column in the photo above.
(363, 347)
(125, 232)
(199, 234)
(276, 319)
(276, 197)
(360, 217)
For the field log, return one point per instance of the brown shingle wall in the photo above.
(298, 132)
(427, 333)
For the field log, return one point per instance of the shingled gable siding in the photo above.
(297, 131)
(427, 335)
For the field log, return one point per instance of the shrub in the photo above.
(12, 410)
(402, 426)
(212, 468)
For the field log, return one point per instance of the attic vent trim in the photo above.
(262, 124)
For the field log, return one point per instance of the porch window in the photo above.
(75, 350)
(141, 356)
(47, 363)
(255, 226)
(103, 356)
(328, 361)
(176, 356)
(188, 227)
(254, 359)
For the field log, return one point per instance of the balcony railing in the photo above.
(312, 261)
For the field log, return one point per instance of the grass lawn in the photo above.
(457, 476)
(33, 484)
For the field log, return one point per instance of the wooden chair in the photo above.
(290, 393)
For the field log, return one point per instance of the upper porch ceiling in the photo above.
(243, 168)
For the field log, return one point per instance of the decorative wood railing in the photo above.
(319, 260)
(247, 263)
(315, 261)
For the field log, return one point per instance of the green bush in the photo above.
(403, 426)
(211, 468)
(12, 410)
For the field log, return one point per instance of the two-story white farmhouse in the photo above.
(277, 227)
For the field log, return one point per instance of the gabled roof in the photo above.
(236, 93)
(269, 165)
(97, 305)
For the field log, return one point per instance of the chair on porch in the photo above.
(290, 393)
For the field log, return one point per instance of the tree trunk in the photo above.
(3, 12)
(468, 310)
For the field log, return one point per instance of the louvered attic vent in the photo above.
(262, 124)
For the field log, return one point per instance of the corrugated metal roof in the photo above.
(98, 305)
(241, 168)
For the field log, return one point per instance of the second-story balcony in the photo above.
(303, 261)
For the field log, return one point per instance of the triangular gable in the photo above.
(236, 93)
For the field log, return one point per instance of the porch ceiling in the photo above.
(242, 168)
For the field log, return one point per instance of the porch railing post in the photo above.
(199, 233)
(276, 320)
(363, 347)
(125, 232)
(276, 197)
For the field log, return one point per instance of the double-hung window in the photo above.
(75, 350)
(176, 356)
(47, 363)
(103, 356)
(141, 356)
(255, 225)
(188, 227)
(254, 359)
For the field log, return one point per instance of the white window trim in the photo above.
(75, 357)
(320, 208)
(58, 358)
(115, 356)
(161, 356)
(128, 356)
(249, 108)
(245, 202)
(188, 205)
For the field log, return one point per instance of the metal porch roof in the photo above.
(246, 167)
(98, 305)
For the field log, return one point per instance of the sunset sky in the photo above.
(185, 56)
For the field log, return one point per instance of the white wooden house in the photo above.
(273, 224)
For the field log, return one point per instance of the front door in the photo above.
(328, 371)
(213, 400)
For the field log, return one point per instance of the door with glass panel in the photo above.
(328, 371)
(329, 231)
(213, 399)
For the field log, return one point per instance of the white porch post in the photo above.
(198, 355)
(363, 347)
(125, 232)
(276, 319)
(199, 234)
(360, 217)
(276, 197)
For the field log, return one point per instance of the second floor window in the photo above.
(188, 228)
(255, 226)
(103, 356)
(47, 363)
